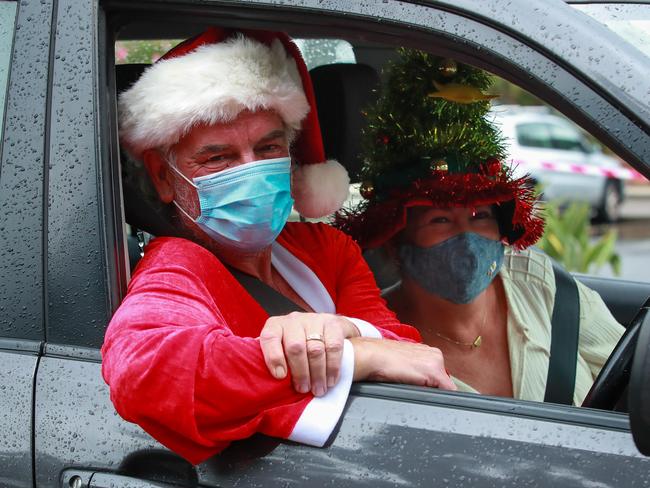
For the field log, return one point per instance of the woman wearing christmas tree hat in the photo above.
(440, 200)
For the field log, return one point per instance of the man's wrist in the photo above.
(363, 362)
(350, 328)
(354, 330)
(363, 328)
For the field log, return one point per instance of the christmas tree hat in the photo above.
(429, 141)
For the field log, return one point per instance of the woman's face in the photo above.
(427, 226)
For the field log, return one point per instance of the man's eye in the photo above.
(269, 147)
(217, 158)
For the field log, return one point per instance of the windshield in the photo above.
(629, 21)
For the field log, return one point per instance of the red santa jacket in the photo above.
(182, 357)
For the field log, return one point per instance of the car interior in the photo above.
(342, 91)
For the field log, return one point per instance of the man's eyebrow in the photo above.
(274, 134)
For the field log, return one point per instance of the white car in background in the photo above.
(562, 159)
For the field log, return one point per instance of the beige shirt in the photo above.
(530, 291)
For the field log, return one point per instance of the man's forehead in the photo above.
(246, 129)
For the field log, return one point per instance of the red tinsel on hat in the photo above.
(443, 189)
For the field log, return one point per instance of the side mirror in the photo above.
(639, 390)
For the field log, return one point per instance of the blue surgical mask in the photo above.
(244, 207)
(458, 269)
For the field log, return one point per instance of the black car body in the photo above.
(64, 266)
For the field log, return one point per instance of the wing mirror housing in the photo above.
(639, 390)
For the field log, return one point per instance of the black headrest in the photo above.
(140, 211)
(127, 74)
(342, 92)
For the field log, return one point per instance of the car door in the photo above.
(389, 434)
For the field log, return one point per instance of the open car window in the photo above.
(523, 117)
(586, 174)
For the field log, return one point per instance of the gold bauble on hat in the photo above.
(448, 68)
(367, 190)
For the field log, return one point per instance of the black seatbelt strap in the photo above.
(565, 332)
(272, 301)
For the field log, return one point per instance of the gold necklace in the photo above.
(476, 343)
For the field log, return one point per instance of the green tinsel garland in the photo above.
(409, 132)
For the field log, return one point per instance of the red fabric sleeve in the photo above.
(189, 372)
(337, 261)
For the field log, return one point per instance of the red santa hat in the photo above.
(213, 77)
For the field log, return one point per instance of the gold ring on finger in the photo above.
(315, 337)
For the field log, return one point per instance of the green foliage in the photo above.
(568, 240)
(127, 52)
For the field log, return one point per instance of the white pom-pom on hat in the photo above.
(320, 189)
(213, 77)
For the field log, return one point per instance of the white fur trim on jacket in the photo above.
(320, 189)
(211, 84)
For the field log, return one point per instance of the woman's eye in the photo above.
(482, 215)
(439, 220)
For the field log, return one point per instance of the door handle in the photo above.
(89, 479)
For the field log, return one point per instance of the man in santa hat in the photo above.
(225, 124)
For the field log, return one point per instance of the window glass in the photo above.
(7, 20)
(534, 135)
(318, 52)
(629, 21)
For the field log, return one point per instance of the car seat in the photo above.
(343, 92)
(140, 213)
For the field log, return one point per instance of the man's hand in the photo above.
(400, 362)
(312, 344)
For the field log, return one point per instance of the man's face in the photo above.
(208, 149)
(250, 137)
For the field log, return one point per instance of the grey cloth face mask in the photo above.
(457, 269)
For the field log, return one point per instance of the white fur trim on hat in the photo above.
(320, 189)
(211, 84)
